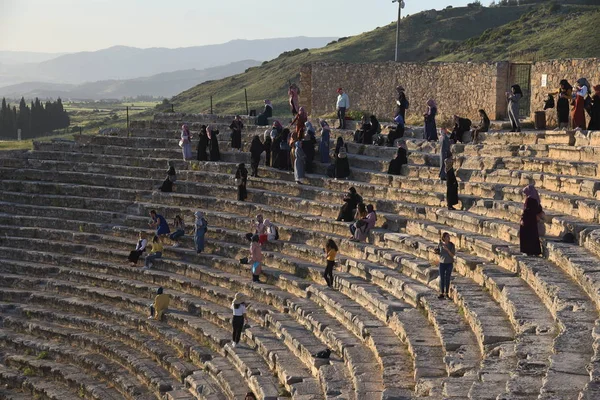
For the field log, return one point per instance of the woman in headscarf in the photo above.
(256, 149)
(275, 149)
(530, 191)
(167, 185)
(241, 178)
(351, 201)
(401, 103)
(324, 145)
(140, 248)
(396, 133)
(263, 118)
(563, 103)
(236, 133)
(451, 185)
(342, 166)
(186, 143)
(430, 126)
(594, 124)
(267, 146)
(300, 120)
(444, 152)
(202, 144)
(276, 129)
(484, 126)
(308, 145)
(578, 112)
(200, 228)
(529, 238)
(293, 98)
(374, 128)
(364, 226)
(284, 150)
(299, 163)
(400, 159)
(513, 97)
(270, 231)
(215, 154)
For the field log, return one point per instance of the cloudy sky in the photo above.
(83, 25)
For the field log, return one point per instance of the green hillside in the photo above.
(547, 32)
(424, 36)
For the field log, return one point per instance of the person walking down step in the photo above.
(531, 191)
(256, 259)
(213, 137)
(447, 251)
(256, 149)
(186, 143)
(444, 152)
(529, 238)
(451, 185)
(342, 105)
(140, 248)
(241, 179)
(155, 254)
(179, 227)
(160, 305)
(200, 228)
(330, 250)
(167, 185)
(236, 133)
(513, 97)
(430, 126)
(238, 306)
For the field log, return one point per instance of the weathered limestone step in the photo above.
(68, 374)
(21, 336)
(567, 302)
(202, 386)
(142, 367)
(33, 386)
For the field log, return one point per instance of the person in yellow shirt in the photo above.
(160, 305)
(156, 253)
(331, 250)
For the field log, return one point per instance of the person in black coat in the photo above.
(241, 178)
(263, 118)
(396, 133)
(401, 103)
(374, 128)
(308, 146)
(365, 126)
(267, 145)
(342, 165)
(236, 133)
(213, 137)
(256, 149)
(461, 125)
(529, 238)
(351, 201)
(202, 144)
(167, 185)
(594, 124)
(451, 184)
(284, 150)
(275, 151)
(400, 159)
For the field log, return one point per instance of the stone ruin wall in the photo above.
(458, 88)
(555, 71)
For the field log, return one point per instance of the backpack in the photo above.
(323, 354)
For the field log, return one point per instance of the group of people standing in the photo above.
(582, 100)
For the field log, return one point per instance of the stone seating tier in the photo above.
(86, 204)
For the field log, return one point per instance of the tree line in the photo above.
(33, 120)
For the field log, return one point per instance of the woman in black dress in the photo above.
(202, 144)
(451, 185)
(342, 166)
(236, 133)
(275, 151)
(267, 146)
(308, 146)
(241, 178)
(167, 185)
(594, 124)
(529, 237)
(400, 159)
(213, 137)
(284, 150)
(351, 201)
(401, 103)
(256, 149)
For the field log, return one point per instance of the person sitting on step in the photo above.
(351, 200)
(364, 226)
(400, 159)
(160, 305)
(365, 126)
(271, 231)
(263, 118)
(397, 132)
(159, 223)
(155, 253)
(461, 126)
(484, 126)
(179, 227)
(140, 248)
(361, 212)
(167, 185)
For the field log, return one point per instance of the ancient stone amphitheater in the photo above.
(74, 314)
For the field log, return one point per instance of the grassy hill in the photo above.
(546, 32)
(425, 36)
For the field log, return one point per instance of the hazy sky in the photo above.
(78, 25)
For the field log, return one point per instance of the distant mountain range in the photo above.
(165, 84)
(24, 57)
(121, 62)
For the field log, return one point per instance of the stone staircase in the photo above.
(74, 313)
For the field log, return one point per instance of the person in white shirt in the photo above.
(343, 103)
(238, 306)
(140, 247)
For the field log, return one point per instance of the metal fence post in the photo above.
(246, 95)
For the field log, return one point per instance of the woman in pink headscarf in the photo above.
(430, 127)
(186, 143)
(293, 95)
(530, 192)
